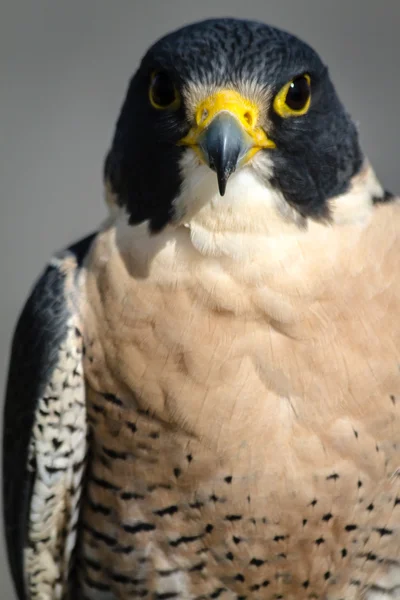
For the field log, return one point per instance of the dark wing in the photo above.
(44, 437)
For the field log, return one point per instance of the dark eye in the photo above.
(294, 98)
(163, 93)
(298, 93)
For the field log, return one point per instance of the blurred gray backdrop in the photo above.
(64, 68)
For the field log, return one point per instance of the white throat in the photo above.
(252, 222)
(251, 209)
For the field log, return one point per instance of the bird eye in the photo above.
(163, 93)
(294, 98)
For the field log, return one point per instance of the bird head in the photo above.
(226, 107)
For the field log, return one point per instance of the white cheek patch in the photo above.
(252, 206)
(251, 220)
(199, 186)
(356, 205)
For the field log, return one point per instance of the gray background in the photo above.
(64, 67)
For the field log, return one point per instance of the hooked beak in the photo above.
(226, 134)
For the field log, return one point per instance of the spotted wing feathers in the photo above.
(44, 437)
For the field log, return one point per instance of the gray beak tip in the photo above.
(223, 144)
(222, 181)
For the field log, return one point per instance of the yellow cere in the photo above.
(280, 106)
(244, 110)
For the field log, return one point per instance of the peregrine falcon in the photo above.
(204, 395)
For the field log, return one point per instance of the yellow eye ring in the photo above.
(294, 99)
(163, 93)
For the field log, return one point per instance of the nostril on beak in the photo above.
(202, 116)
(248, 117)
